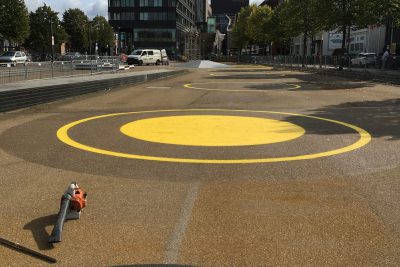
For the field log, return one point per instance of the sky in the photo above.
(90, 7)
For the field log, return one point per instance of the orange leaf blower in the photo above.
(72, 203)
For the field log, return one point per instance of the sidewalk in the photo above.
(32, 92)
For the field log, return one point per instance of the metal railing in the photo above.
(43, 70)
(323, 62)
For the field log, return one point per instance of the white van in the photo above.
(145, 56)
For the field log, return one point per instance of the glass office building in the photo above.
(152, 23)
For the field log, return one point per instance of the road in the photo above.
(244, 166)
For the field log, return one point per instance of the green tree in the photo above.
(43, 21)
(101, 32)
(259, 25)
(75, 23)
(14, 20)
(302, 17)
(345, 15)
(240, 36)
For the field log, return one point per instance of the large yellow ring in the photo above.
(364, 139)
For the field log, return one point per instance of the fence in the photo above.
(319, 62)
(42, 70)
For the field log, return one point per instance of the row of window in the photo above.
(154, 35)
(151, 3)
(122, 3)
(158, 16)
(142, 3)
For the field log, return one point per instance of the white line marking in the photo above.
(158, 87)
(175, 242)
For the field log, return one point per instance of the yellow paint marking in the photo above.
(364, 139)
(212, 130)
(191, 86)
(234, 76)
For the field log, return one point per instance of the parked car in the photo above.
(13, 57)
(69, 56)
(145, 56)
(364, 59)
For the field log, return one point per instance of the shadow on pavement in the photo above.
(379, 118)
(37, 226)
(307, 81)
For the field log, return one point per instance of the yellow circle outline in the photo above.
(365, 138)
(190, 86)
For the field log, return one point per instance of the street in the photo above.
(238, 166)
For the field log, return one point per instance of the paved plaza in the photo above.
(239, 165)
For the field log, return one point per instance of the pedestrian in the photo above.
(385, 57)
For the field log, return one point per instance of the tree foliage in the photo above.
(75, 23)
(259, 24)
(14, 20)
(240, 36)
(302, 17)
(101, 32)
(43, 21)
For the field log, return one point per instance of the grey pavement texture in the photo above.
(202, 64)
(341, 210)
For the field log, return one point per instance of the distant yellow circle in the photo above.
(212, 130)
(196, 87)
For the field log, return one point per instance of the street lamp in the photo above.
(52, 39)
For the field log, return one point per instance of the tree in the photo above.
(259, 25)
(356, 14)
(101, 32)
(240, 36)
(75, 23)
(14, 20)
(303, 17)
(43, 21)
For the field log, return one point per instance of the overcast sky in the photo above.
(90, 7)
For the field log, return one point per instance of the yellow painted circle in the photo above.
(196, 87)
(212, 130)
(364, 138)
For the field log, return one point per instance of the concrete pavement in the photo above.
(330, 209)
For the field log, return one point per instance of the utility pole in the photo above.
(52, 39)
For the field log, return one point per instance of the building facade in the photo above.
(370, 40)
(225, 12)
(161, 24)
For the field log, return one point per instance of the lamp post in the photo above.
(52, 39)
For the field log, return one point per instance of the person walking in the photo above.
(385, 57)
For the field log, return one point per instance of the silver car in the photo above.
(13, 57)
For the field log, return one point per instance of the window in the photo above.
(115, 16)
(127, 16)
(115, 3)
(127, 3)
(171, 3)
(151, 3)
(154, 35)
(150, 53)
(155, 16)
